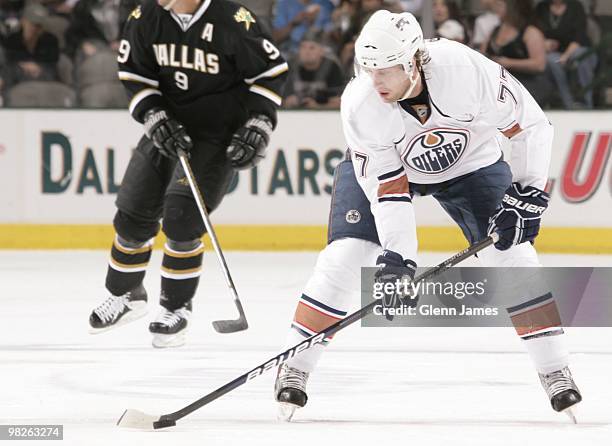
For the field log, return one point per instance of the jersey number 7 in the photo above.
(504, 89)
(361, 158)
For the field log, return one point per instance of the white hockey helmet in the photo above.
(389, 39)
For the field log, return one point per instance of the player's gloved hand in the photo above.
(517, 219)
(167, 134)
(391, 269)
(249, 143)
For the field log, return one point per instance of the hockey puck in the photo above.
(160, 424)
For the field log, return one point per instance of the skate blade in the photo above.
(169, 341)
(285, 411)
(571, 413)
(137, 312)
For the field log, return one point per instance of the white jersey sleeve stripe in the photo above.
(127, 76)
(269, 94)
(272, 72)
(138, 97)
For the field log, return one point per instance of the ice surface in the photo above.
(385, 386)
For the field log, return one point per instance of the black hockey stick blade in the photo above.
(232, 325)
(136, 419)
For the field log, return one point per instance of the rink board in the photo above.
(289, 238)
(60, 170)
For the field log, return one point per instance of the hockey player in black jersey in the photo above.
(203, 78)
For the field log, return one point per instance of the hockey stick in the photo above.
(227, 326)
(136, 419)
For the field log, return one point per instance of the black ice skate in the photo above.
(562, 391)
(170, 327)
(119, 310)
(290, 391)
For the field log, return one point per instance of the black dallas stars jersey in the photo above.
(210, 71)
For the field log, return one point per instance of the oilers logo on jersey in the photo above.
(436, 151)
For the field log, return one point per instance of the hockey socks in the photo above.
(127, 265)
(180, 271)
(311, 317)
(538, 323)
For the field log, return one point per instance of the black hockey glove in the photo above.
(517, 219)
(392, 268)
(167, 134)
(249, 143)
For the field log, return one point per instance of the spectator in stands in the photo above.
(355, 13)
(351, 15)
(263, 9)
(92, 40)
(31, 53)
(294, 18)
(10, 12)
(59, 19)
(484, 24)
(94, 26)
(60, 7)
(447, 21)
(564, 25)
(31, 74)
(519, 46)
(315, 80)
(343, 20)
(412, 6)
(369, 7)
(2, 64)
(394, 6)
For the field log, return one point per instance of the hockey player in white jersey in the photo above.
(427, 118)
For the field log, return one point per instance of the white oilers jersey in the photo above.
(473, 102)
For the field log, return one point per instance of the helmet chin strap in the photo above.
(413, 83)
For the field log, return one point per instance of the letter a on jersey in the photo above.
(207, 32)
